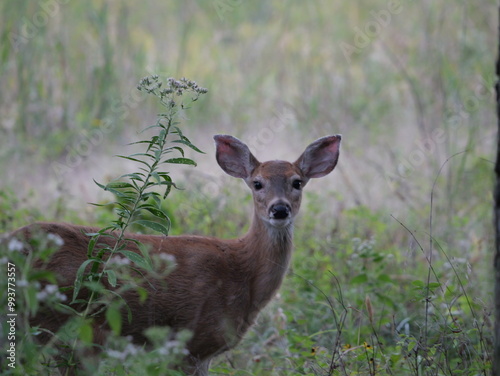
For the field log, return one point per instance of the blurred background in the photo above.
(409, 85)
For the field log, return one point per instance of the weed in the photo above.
(111, 269)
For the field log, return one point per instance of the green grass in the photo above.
(417, 94)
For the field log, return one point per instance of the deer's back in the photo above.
(207, 291)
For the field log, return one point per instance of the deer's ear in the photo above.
(234, 157)
(321, 157)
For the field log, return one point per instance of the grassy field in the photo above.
(391, 273)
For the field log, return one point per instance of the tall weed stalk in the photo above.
(102, 279)
(136, 193)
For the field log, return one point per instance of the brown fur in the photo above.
(218, 286)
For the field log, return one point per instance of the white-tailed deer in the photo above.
(218, 286)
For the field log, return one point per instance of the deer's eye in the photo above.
(257, 185)
(297, 184)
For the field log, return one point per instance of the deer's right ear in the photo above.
(321, 157)
(234, 157)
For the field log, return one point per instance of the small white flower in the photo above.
(116, 354)
(22, 283)
(41, 296)
(15, 245)
(50, 292)
(172, 347)
(167, 257)
(51, 289)
(117, 260)
(56, 239)
(130, 349)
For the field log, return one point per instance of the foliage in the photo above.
(13, 213)
(106, 276)
(413, 95)
(135, 196)
(22, 298)
(365, 308)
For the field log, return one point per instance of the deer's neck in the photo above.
(267, 251)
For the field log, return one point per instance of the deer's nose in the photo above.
(280, 211)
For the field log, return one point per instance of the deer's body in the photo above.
(218, 286)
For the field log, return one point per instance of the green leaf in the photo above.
(434, 285)
(118, 185)
(162, 135)
(158, 155)
(108, 231)
(102, 205)
(170, 184)
(144, 249)
(86, 332)
(185, 161)
(42, 274)
(384, 278)
(114, 318)
(80, 274)
(186, 142)
(179, 149)
(131, 240)
(92, 243)
(147, 195)
(100, 185)
(132, 159)
(141, 155)
(68, 309)
(411, 345)
(361, 278)
(143, 294)
(112, 190)
(156, 212)
(142, 131)
(143, 141)
(156, 198)
(111, 277)
(156, 176)
(418, 284)
(134, 176)
(168, 180)
(32, 301)
(129, 313)
(153, 226)
(94, 286)
(386, 300)
(136, 259)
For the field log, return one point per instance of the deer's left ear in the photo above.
(321, 157)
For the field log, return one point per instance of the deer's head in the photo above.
(277, 185)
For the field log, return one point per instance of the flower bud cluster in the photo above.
(152, 83)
